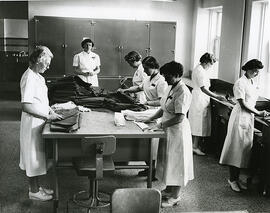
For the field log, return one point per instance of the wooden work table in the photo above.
(99, 124)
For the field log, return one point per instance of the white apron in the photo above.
(200, 112)
(137, 80)
(175, 159)
(239, 140)
(32, 147)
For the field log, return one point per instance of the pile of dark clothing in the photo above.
(70, 121)
(72, 88)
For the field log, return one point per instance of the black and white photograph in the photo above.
(124, 106)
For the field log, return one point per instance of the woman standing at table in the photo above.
(87, 63)
(175, 159)
(35, 111)
(154, 87)
(200, 112)
(239, 140)
(134, 59)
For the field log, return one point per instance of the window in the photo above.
(259, 42)
(208, 35)
(214, 30)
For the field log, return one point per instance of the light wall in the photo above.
(231, 37)
(180, 11)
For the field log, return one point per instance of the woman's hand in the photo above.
(54, 116)
(121, 90)
(221, 98)
(264, 113)
(156, 127)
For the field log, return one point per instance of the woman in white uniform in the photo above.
(175, 159)
(133, 58)
(239, 140)
(200, 113)
(154, 87)
(35, 112)
(87, 63)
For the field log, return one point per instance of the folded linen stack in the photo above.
(69, 123)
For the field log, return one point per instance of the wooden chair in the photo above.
(97, 162)
(135, 200)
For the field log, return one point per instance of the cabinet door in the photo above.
(162, 41)
(75, 31)
(114, 39)
(107, 46)
(49, 31)
(134, 36)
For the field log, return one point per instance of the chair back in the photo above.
(135, 200)
(104, 145)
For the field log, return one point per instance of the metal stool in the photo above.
(97, 162)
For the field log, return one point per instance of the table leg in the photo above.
(149, 178)
(55, 157)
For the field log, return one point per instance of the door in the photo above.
(75, 31)
(49, 31)
(134, 36)
(107, 46)
(162, 41)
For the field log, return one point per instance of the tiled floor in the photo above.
(209, 190)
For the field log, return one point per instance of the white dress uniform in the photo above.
(200, 112)
(32, 148)
(87, 62)
(239, 140)
(175, 158)
(154, 88)
(138, 78)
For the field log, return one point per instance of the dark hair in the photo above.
(133, 56)
(252, 64)
(86, 40)
(39, 52)
(207, 58)
(150, 62)
(172, 68)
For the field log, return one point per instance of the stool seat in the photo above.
(86, 166)
(96, 161)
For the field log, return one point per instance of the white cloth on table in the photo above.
(175, 158)
(87, 62)
(32, 148)
(239, 139)
(200, 112)
(140, 115)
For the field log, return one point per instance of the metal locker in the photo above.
(162, 41)
(134, 36)
(75, 31)
(49, 31)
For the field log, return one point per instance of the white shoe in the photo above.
(242, 185)
(171, 202)
(47, 191)
(198, 152)
(234, 186)
(40, 195)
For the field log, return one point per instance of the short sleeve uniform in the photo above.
(32, 153)
(154, 88)
(239, 139)
(87, 62)
(200, 112)
(175, 158)
(137, 80)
